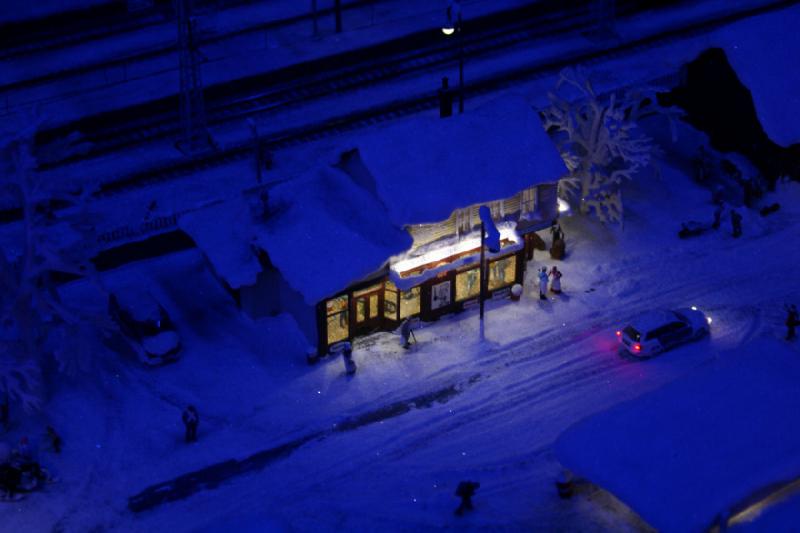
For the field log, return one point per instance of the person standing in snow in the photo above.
(555, 284)
(718, 215)
(465, 491)
(190, 421)
(792, 321)
(543, 283)
(23, 451)
(736, 223)
(347, 356)
(406, 333)
(55, 439)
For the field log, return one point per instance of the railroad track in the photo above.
(422, 102)
(410, 105)
(276, 91)
(102, 29)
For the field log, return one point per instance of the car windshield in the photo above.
(681, 317)
(632, 333)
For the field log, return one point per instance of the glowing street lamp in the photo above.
(453, 25)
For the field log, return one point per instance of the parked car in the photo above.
(657, 331)
(146, 324)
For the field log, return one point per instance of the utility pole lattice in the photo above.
(196, 138)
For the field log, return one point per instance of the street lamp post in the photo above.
(453, 25)
(490, 237)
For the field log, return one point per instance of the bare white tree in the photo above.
(35, 322)
(599, 140)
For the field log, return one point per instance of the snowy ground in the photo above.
(545, 365)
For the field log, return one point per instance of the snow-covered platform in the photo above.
(707, 446)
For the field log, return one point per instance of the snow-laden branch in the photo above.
(599, 141)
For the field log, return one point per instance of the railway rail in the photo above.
(90, 31)
(413, 104)
(301, 83)
(425, 101)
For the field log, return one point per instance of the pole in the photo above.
(337, 4)
(314, 16)
(482, 274)
(257, 144)
(460, 67)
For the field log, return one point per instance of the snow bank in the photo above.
(699, 446)
(425, 167)
(326, 232)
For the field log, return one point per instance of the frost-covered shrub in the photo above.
(599, 141)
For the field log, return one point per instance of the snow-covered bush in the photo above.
(599, 141)
(35, 323)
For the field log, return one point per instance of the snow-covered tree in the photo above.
(599, 140)
(36, 325)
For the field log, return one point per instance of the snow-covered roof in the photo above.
(701, 445)
(763, 51)
(326, 232)
(224, 232)
(652, 320)
(424, 167)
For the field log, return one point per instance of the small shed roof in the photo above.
(699, 446)
(326, 232)
(224, 232)
(425, 167)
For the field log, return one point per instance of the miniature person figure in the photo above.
(190, 420)
(465, 491)
(406, 333)
(55, 439)
(347, 356)
(718, 215)
(555, 284)
(736, 223)
(543, 283)
(10, 475)
(23, 451)
(4, 416)
(792, 321)
(555, 232)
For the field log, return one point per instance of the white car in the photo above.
(657, 331)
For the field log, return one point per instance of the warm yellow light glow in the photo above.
(448, 31)
(464, 245)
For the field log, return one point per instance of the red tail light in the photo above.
(619, 333)
(637, 347)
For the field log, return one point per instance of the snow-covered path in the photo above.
(399, 474)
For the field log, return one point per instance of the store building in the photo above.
(389, 228)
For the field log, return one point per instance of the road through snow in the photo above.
(400, 474)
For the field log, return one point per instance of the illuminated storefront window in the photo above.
(467, 284)
(338, 319)
(502, 272)
(409, 302)
(390, 301)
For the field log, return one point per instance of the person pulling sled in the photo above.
(406, 334)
